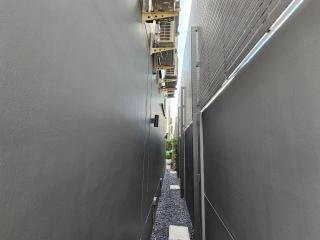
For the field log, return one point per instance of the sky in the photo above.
(184, 19)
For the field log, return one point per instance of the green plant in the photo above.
(171, 152)
(168, 154)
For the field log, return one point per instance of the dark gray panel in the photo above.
(78, 159)
(214, 227)
(262, 139)
(189, 191)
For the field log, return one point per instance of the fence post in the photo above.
(196, 119)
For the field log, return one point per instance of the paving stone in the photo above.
(172, 210)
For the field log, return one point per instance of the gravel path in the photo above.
(172, 210)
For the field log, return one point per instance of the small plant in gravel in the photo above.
(171, 152)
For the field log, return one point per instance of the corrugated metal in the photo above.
(229, 30)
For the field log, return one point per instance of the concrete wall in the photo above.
(78, 156)
(262, 141)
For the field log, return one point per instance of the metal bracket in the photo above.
(168, 89)
(158, 50)
(161, 67)
(150, 16)
(167, 80)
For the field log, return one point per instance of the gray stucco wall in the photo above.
(78, 156)
(262, 141)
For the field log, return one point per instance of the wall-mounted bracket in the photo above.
(150, 16)
(164, 67)
(163, 49)
(168, 89)
(168, 80)
(161, 81)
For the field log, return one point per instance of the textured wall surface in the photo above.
(230, 29)
(262, 141)
(78, 156)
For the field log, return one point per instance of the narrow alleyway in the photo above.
(172, 210)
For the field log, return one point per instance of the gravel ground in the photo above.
(172, 210)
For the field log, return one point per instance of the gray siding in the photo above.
(262, 140)
(78, 156)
